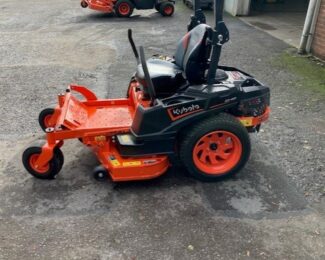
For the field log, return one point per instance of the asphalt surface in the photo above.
(273, 209)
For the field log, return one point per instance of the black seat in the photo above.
(190, 63)
(193, 52)
(166, 76)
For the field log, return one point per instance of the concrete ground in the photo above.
(286, 26)
(273, 209)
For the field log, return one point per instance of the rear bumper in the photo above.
(251, 121)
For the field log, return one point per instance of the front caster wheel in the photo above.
(166, 9)
(48, 171)
(100, 173)
(59, 156)
(44, 118)
(83, 4)
(215, 148)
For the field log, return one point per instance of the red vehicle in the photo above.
(188, 106)
(124, 8)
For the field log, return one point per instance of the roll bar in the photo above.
(219, 36)
(196, 5)
(198, 16)
(218, 11)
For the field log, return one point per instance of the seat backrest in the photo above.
(193, 52)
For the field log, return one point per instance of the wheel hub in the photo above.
(213, 146)
(124, 9)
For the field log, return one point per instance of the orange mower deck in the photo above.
(106, 6)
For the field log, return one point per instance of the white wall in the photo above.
(231, 6)
(243, 7)
(237, 7)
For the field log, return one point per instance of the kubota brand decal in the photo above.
(179, 112)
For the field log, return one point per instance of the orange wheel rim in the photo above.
(32, 164)
(124, 9)
(168, 10)
(217, 152)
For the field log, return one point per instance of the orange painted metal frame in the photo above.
(95, 122)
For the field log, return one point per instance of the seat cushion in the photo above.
(193, 52)
(166, 76)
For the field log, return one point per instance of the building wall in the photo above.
(280, 5)
(231, 6)
(237, 7)
(318, 44)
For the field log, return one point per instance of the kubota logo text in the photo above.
(183, 111)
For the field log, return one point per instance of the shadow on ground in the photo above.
(260, 190)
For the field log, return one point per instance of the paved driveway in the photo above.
(262, 213)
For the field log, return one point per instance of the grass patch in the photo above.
(310, 71)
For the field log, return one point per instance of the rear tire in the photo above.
(215, 148)
(124, 8)
(166, 9)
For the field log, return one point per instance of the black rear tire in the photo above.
(167, 9)
(124, 8)
(223, 123)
